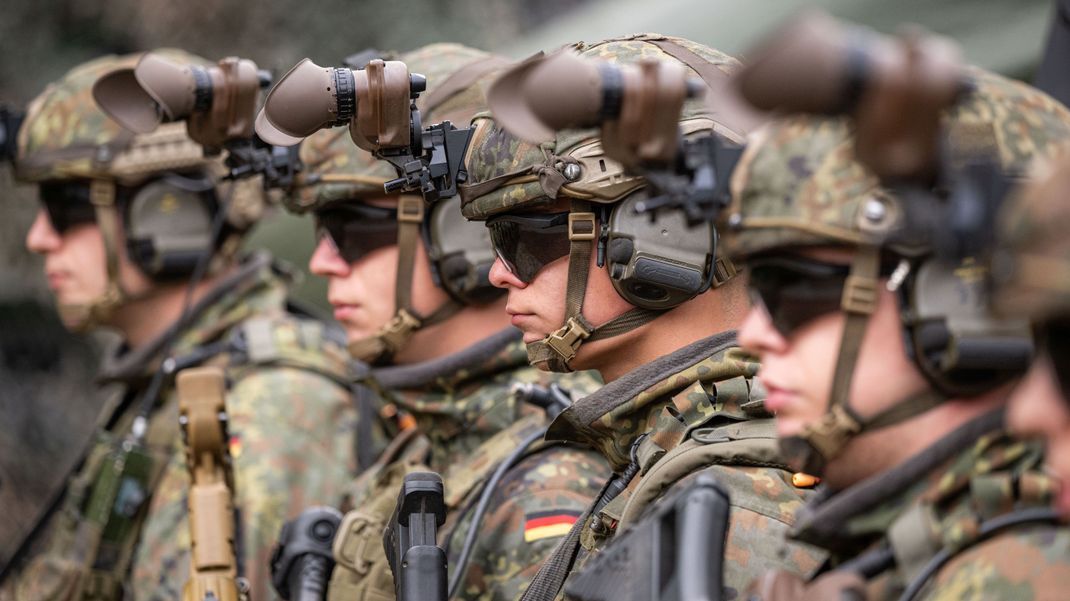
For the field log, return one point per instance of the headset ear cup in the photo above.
(951, 335)
(169, 229)
(461, 254)
(657, 262)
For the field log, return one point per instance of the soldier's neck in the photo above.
(470, 325)
(143, 320)
(711, 313)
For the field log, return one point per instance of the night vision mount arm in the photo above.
(378, 105)
(638, 108)
(896, 91)
(218, 104)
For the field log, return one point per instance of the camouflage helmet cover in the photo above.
(66, 136)
(493, 152)
(336, 170)
(1031, 265)
(798, 183)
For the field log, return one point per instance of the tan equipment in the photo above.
(217, 102)
(202, 415)
(894, 88)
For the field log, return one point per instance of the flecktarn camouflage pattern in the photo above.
(335, 170)
(470, 419)
(799, 185)
(291, 427)
(943, 507)
(66, 135)
(698, 410)
(1031, 264)
(537, 169)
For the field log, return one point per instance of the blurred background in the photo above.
(44, 38)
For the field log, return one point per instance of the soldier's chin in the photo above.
(75, 317)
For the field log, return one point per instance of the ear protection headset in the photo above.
(461, 253)
(169, 223)
(951, 335)
(657, 261)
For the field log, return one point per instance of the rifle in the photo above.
(203, 418)
(676, 552)
(302, 562)
(410, 541)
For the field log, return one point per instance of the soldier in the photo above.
(124, 222)
(415, 301)
(1028, 269)
(887, 376)
(648, 305)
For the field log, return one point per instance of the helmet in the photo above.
(799, 184)
(159, 184)
(1029, 265)
(508, 175)
(336, 171)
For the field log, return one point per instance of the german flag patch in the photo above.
(548, 524)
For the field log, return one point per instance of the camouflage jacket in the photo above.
(939, 500)
(697, 410)
(291, 425)
(469, 420)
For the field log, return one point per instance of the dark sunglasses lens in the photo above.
(527, 244)
(794, 293)
(1055, 338)
(67, 204)
(356, 233)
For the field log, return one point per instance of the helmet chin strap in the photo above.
(82, 317)
(554, 352)
(381, 347)
(820, 442)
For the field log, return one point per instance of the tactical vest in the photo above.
(96, 528)
(690, 450)
(362, 572)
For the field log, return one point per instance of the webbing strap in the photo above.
(859, 301)
(102, 195)
(410, 216)
(709, 72)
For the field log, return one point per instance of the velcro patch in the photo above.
(548, 524)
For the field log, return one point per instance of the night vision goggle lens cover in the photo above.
(356, 230)
(527, 243)
(795, 290)
(67, 204)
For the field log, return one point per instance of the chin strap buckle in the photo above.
(566, 340)
(410, 209)
(831, 433)
(398, 330)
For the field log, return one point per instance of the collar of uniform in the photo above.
(614, 416)
(258, 286)
(851, 520)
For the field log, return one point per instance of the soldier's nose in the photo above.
(501, 277)
(1037, 406)
(42, 237)
(325, 260)
(757, 334)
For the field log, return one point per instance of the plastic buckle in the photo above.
(829, 434)
(859, 295)
(567, 339)
(586, 222)
(398, 329)
(410, 209)
(351, 544)
(102, 193)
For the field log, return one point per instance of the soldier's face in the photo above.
(76, 262)
(798, 366)
(537, 308)
(362, 291)
(1037, 408)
